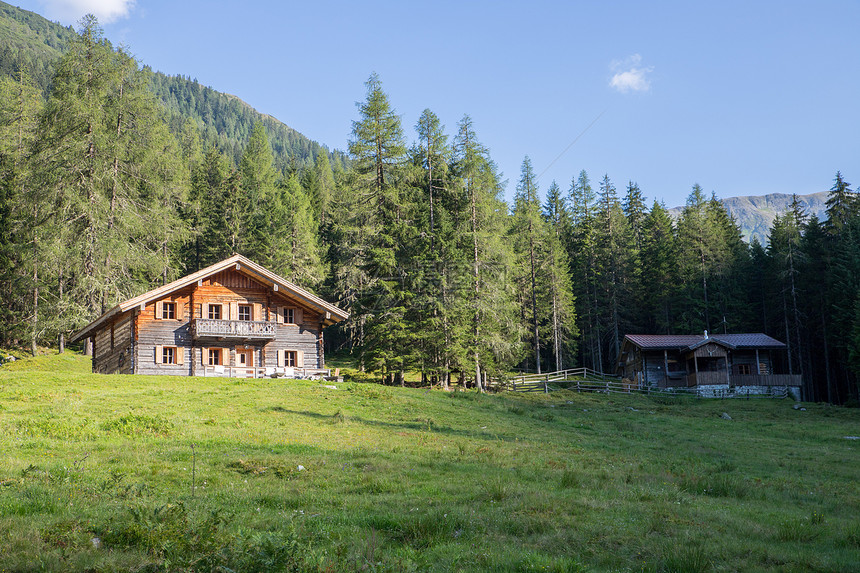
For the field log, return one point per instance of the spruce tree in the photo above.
(493, 335)
(257, 186)
(583, 260)
(695, 256)
(617, 269)
(371, 229)
(529, 235)
(659, 274)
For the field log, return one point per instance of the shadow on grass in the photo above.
(424, 425)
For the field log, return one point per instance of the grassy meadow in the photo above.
(122, 473)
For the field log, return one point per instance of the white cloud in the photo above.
(630, 76)
(70, 11)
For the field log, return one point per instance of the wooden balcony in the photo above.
(232, 329)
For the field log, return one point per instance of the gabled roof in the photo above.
(330, 312)
(692, 341)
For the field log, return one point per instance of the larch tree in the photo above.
(20, 214)
(106, 163)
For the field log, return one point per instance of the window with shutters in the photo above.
(215, 358)
(168, 355)
(244, 312)
(290, 358)
(215, 311)
(290, 315)
(168, 310)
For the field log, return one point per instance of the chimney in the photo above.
(706, 335)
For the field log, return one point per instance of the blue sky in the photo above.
(742, 97)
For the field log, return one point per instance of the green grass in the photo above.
(96, 474)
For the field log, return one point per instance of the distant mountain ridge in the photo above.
(755, 214)
(34, 42)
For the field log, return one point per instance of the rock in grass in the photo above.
(725, 416)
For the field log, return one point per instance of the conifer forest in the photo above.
(114, 180)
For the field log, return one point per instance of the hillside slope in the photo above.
(29, 40)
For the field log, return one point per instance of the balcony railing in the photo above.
(237, 329)
(268, 372)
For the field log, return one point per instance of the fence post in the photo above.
(546, 384)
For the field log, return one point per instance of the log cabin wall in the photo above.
(654, 368)
(113, 347)
(748, 357)
(297, 338)
(153, 333)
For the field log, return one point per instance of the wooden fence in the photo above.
(587, 380)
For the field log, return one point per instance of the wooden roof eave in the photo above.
(86, 331)
(330, 312)
(716, 341)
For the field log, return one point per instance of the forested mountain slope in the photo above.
(30, 41)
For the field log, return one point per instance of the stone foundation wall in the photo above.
(724, 391)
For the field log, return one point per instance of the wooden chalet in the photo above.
(234, 318)
(712, 364)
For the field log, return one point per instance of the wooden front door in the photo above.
(244, 366)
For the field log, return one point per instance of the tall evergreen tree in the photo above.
(659, 263)
(20, 217)
(635, 211)
(109, 168)
(494, 333)
(292, 246)
(529, 237)
(695, 253)
(582, 251)
(558, 287)
(257, 186)
(616, 258)
(371, 230)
